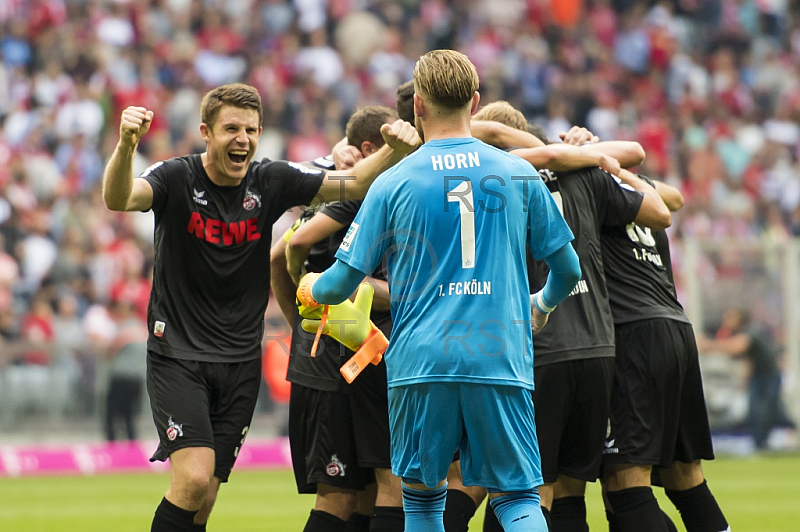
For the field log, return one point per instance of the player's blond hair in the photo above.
(234, 94)
(446, 78)
(503, 112)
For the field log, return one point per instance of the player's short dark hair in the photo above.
(234, 94)
(405, 101)
(503, 112)
(446, 78)
(537, 131)
(365, 124)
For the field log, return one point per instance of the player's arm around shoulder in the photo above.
(298, 246)
(401, 139)
(653, 212)
(121, 192)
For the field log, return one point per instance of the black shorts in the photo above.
(202, 404)
(338, 439)
(658, 410)
(571, 401)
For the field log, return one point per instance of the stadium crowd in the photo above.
(711, 89)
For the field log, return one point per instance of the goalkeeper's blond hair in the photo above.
(504, 113)
(446, 79)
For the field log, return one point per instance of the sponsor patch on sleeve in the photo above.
(305, 169)
(151, 168)
(348, 238)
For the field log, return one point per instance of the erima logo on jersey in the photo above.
(151, 168)
(305, 169)
(198, 197)
(348, 238)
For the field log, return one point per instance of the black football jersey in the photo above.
(211, 273)
(639, 274)
(581, 326)
(322, 371)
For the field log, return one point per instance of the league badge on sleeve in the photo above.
(158, 328)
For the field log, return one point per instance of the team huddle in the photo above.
(514, 334)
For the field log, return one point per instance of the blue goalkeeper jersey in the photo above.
(452, 221)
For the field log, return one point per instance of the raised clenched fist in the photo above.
(134, 124)
(401, 136)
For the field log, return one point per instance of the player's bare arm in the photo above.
(503, 136)
(283, 288)
(401, 139)
(121, 192)
(628, 153)
(316, 229)
(672, 197)
(653, 212)
(565, 157)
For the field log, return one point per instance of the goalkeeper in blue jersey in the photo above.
(454, 219)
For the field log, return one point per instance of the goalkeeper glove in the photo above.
(348, 323)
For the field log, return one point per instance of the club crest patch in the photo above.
(251, 200)
(174, 430)
(335, 467)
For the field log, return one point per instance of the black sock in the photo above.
(320, 521)
(458, 510)
(170, 518)
(387, 519)
(614, 527)
(547, 518)
(357, 523)
(568, 514)
(699, 509)
(490, 521)
(199, 528)
(637, 509)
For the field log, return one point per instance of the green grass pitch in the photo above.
(757, 494)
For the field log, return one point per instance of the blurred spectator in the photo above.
(127, 355)
(710, 88)
(737, 336)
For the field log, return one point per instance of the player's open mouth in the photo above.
(237, 157)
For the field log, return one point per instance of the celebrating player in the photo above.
(214, 214)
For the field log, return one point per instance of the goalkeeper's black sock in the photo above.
(387, 519)
(170, 518)
(199, 528)
(490, 521)
(357, 523)
(699, 509)
(320, 521)
(637, 509)
(458, 510)
(568, 514)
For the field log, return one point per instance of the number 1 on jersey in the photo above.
(462, 194)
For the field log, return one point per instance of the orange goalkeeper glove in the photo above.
(348, 323)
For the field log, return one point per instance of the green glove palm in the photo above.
(348, 322)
